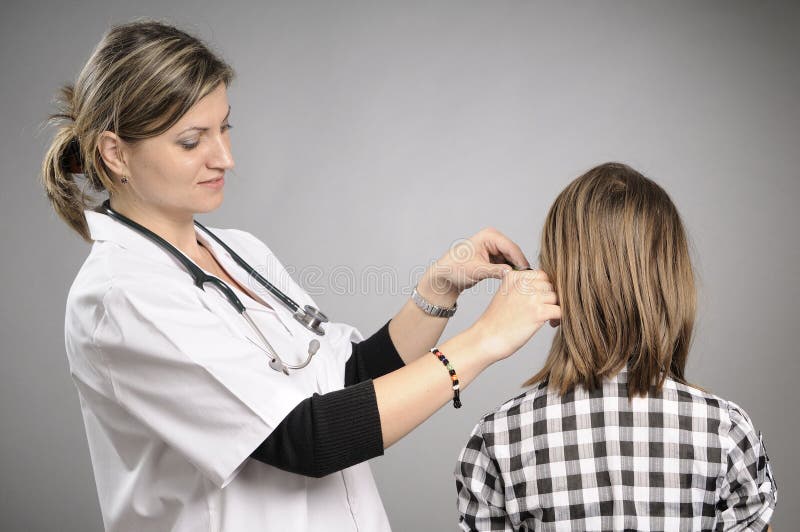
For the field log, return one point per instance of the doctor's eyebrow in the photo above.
(196, 128)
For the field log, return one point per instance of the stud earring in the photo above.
(124, 179)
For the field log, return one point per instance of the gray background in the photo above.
(377, 134)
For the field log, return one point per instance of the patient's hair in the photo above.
(614, 247)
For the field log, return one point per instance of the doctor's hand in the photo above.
(487, 254)
(409, 395)
(524, 301)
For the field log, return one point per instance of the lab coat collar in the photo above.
(104, 228)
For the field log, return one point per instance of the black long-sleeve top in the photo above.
(330, 432)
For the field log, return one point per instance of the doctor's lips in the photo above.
(217, 182)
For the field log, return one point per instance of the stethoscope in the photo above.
(310, 317)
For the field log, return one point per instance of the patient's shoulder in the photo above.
(512, 411)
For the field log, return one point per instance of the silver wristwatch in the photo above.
(430, 309)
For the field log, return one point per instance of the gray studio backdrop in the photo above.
(369, 137)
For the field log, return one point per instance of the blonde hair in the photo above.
(140, 80)
(614, 247)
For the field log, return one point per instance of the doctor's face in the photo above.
(182, 171)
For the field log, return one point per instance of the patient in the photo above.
(611, 436)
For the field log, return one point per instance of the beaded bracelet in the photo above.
(453, 376)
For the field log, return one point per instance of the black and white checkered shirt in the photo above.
(681, 459)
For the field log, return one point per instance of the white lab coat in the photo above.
(175, 397)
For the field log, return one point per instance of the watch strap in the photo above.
(430, 309)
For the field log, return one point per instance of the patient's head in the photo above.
(615, 250)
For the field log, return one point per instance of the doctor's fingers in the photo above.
(539, 307)
(548, 298)
(501, 249)
(530, 282)
(551, 313)
(543, 287)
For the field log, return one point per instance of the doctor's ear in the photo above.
(112, 151)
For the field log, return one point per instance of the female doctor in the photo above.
(202, 413)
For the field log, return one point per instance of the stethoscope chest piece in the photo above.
(311, 318)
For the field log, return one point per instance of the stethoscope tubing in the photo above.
(286, 300)
(198, 275)
(310, 317)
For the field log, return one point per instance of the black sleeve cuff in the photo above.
(326, 433)
(372, 358)
(351, 425)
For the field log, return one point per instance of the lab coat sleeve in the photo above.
(178, 369)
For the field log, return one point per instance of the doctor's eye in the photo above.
(226, 127)
(188, 144)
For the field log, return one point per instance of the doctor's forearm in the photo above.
(412, 331)
(410, 395)
(333, 431)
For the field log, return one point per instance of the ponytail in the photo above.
(139, 81)
(61, 163)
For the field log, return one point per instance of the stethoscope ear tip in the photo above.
(313, 347)
(311, 318)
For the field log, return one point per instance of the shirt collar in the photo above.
(103, 228)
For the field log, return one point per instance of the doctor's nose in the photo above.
(222, 157)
